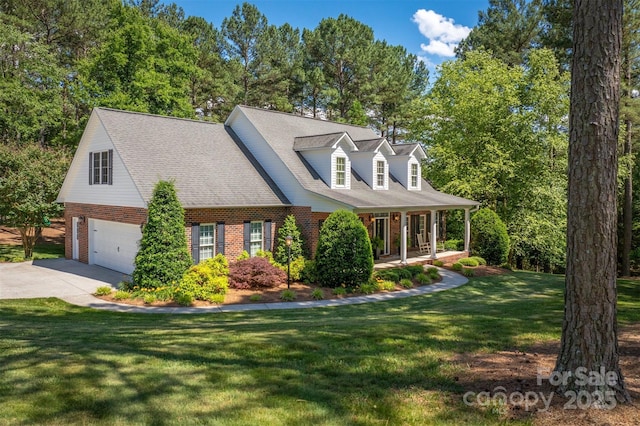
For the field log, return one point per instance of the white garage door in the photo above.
(113, 245)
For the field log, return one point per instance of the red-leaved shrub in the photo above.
(255, 272)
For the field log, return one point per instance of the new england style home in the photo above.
(238, 181)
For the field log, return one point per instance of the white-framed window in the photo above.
(341, 171)
(414, 175)
(256, 238)
(207, 241)
(101, 167)
(380, 174)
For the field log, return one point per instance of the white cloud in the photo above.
(443, 34)
(436, 47)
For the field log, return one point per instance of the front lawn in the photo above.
(371, 364)
(15, 253)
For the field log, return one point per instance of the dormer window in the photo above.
(380, 173)
(341, 171)
(414, 175)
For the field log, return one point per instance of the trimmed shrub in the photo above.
(489, 237)
(288, 295)
(414, 270)
(388, 274)
(184, 299)
(219, 265)
(122, 295)
(387, 285)
(406, 283)
(308, 274)
(343, 254)
(433, 273)
(297, 267)
(163, 256)
(457, 266)
(403, 273)
(104, 290)
(149, 298)
(457, 245)
(289, 227)
(243, 256)
(267, 255)
(255, 272)
(204, 281)
(480, 260)
(423, 279)
(339, 291)
(368, 288)
(468, 261)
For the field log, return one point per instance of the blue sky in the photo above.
(428, 28)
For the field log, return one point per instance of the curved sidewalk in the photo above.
(74, 282)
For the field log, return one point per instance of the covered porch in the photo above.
(414, 257)
(417, 234)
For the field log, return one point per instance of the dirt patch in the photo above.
(51, 234)
(515, 373)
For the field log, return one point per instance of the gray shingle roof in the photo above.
(317, 141)
(210, 166)
(280, 131)
(369, 144)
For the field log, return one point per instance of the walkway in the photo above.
(74, 282)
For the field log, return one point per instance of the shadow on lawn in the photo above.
(357, 364)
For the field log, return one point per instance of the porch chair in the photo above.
(424, 247)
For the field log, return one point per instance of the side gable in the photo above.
(77, 188)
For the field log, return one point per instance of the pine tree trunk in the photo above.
(589, 331)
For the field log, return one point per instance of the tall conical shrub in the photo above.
(163, 256)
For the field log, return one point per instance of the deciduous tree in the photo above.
(30, 179)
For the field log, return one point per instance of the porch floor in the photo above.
(414, 257)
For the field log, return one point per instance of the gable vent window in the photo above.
(414, 175)
(380, 175)
(101, 168)
(341, 171)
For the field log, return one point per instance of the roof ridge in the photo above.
(148, 114)
(290, 114)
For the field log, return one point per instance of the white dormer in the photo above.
(406, 165)
(329, 155)
(370, 161)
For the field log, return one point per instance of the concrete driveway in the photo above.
(60, 278)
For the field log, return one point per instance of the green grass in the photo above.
(370, 364)
(15, 253)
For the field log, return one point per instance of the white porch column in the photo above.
(403, 237)
(434, 233)
(467, 229)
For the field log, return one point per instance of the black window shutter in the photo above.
(110, 167)
(91, 168)
(267, 235)
(220, 238)
(247, 236)
(195, 242)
